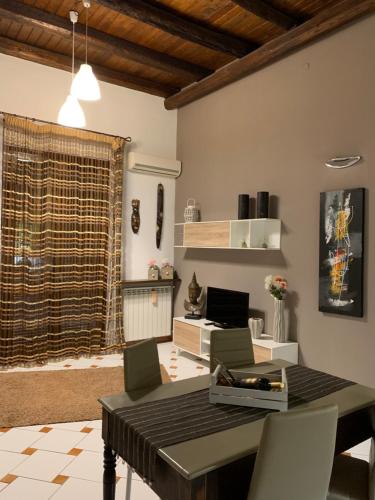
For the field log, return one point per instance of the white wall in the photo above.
(142, 247)
(38, 91)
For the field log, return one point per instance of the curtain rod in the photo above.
(127, 139)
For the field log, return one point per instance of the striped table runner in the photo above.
(138, 432)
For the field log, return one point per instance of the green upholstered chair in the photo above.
(295, 456)
(142, 366)
(141, 371)
(233, 347)
(353, 478)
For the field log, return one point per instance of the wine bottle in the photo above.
(260, 383)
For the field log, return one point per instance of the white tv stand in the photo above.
(193, 336)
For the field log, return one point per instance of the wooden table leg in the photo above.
(109, 474)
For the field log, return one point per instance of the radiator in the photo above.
(147, 312)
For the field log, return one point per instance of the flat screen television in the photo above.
(227, 308)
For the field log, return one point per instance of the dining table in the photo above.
(217, 465)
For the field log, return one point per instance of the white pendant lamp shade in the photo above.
(85, 86)
(71, 114)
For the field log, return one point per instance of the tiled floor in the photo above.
(64, 461)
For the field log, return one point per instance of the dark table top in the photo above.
(198, 456)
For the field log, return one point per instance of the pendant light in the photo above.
(71, 114)
(85, 86)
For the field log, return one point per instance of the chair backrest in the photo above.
(371, 492)
(141, 366)
(295, 456)
(233, 347)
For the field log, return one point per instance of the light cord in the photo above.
(87, 20)
(73, 51)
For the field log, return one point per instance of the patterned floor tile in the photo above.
(18, 440)
(74, 452)
(86, 430)
(29, 451)
(89, 466)
(22, 489)
(96, 424)
(71, 426)
(8, 479)
(77, 489)
(139, 491)
(9, 461)
(93, 441)
(43, 465)
(59, 479)
(46, 429)
(58, 440)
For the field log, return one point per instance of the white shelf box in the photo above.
(246, 234)
(265, 234)
(239, 234)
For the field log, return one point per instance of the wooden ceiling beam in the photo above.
(326, 21)
(263, 9)
(61, 61)
(57, 25)
(181, 26)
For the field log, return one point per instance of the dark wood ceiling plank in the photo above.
(57, 25)
(265, 10)
(326, 21)
(60, 61)
(181, 26)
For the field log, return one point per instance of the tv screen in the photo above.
(227, 307)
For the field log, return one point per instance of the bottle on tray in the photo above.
(226, 378)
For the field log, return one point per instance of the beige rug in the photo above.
(47, 397)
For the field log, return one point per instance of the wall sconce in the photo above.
(345, 162)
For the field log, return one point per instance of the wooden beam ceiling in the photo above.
(178, 25)
(60, 61)
(51, 23)
(266, 11)
(328, 20)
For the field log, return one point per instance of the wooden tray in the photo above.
(273, 400)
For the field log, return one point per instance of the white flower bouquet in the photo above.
(276, 285)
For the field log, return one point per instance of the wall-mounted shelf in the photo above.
(149, 283)
(256, 234)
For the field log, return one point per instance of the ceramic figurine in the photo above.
(195, 303)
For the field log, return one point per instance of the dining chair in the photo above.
(233, 347)
(295, 456)
(141, 371)
(141, 366)
(353, 478)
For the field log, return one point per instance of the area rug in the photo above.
(48, 397)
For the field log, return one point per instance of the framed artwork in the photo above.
(341, 252)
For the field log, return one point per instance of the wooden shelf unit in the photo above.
(258, 234)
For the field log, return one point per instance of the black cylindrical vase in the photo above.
(262, 204)
(243, 206)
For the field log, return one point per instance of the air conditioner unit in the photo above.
(138, 162)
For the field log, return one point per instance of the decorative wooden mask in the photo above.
(159, 214)
(135, 219)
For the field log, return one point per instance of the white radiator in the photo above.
(147, 312)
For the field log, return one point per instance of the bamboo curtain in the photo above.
(60, 267)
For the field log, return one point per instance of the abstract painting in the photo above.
(341, 252)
